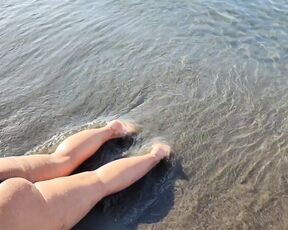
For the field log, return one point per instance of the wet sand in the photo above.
(209, 77)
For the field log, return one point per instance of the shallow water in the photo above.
(208, 76)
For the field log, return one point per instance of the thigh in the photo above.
(22, 206)
(48, 204)
(35, 167)
(83, 189)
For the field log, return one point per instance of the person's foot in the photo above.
(161, 150)
(121, 128)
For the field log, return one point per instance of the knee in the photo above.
(63, 154)
(63, 164)
(61, 149)
(102, 187)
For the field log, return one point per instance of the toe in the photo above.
(122, 128)
(129, 127)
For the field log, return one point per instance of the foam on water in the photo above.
(210, 77)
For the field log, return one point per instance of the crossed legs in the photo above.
(59, 201)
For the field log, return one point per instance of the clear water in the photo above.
(208, 76)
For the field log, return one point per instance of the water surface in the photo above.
(208, 76)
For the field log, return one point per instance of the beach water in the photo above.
(210, 77)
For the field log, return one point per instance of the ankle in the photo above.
(161, 150)
(156, 158)
(112, 131)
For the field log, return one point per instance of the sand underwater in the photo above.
(208, 76)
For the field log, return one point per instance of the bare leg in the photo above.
(56, 198)
(68, 156)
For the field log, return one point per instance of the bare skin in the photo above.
(68, 155)
(40, 193)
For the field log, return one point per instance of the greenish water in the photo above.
(208, 76)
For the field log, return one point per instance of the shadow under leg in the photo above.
(67, 157)
(89, 187)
